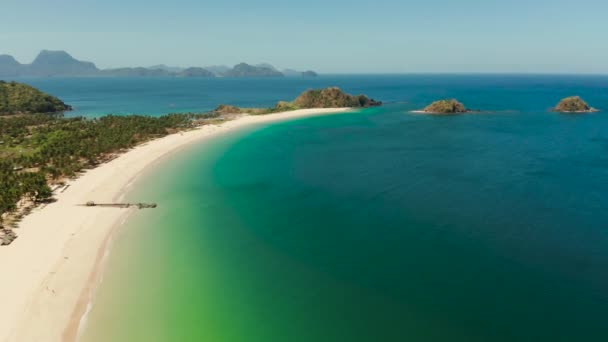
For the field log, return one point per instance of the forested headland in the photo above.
(38, 151)
(19, 98)
(40, 147)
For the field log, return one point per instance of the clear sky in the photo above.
(326, 35)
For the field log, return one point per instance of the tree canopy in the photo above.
(573, 104)
(40, 148)
(18, 98)
(332, 98)
(446, 107)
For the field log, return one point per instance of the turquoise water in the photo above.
(155, 96)
(379, 225)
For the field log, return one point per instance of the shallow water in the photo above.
(380, 225)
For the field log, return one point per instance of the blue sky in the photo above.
(329, 36)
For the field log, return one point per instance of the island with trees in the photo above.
(331, 97)
(40, 148)
(573, 104)
(451, 106)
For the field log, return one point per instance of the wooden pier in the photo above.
(121, 205)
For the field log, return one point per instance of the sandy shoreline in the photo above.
(49, 272)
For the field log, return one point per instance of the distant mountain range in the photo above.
(60, 63)
(48, 63)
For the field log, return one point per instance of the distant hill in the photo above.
(18, 98)
(47, 63)
(135, 72)
(309, 73)
(196, 72)
(60, 63)
(291, 73)
(296, 73)
(166, 68)
(258, 70)
(218, 70)
(247, 70)
(266, 65)
(147, 72)
(9, 66)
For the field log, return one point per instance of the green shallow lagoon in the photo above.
(372, 226)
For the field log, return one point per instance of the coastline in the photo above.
(52, 269)
(437, 113)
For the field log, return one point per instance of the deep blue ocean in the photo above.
(155, 96)
(377, 225)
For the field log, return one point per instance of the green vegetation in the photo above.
(315, 98)
(227, 109)
(446, 107)
(41, 149)
(284, 106)
(38, 150)
(332, 98)
(573, 104)
(18, 98)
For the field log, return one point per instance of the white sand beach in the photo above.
(49, 273)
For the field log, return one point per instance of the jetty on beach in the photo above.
(121, 205)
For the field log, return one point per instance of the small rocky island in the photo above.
(19, 98)
(333, 97)
(573, 104)
(446, 107)
(315, 98)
